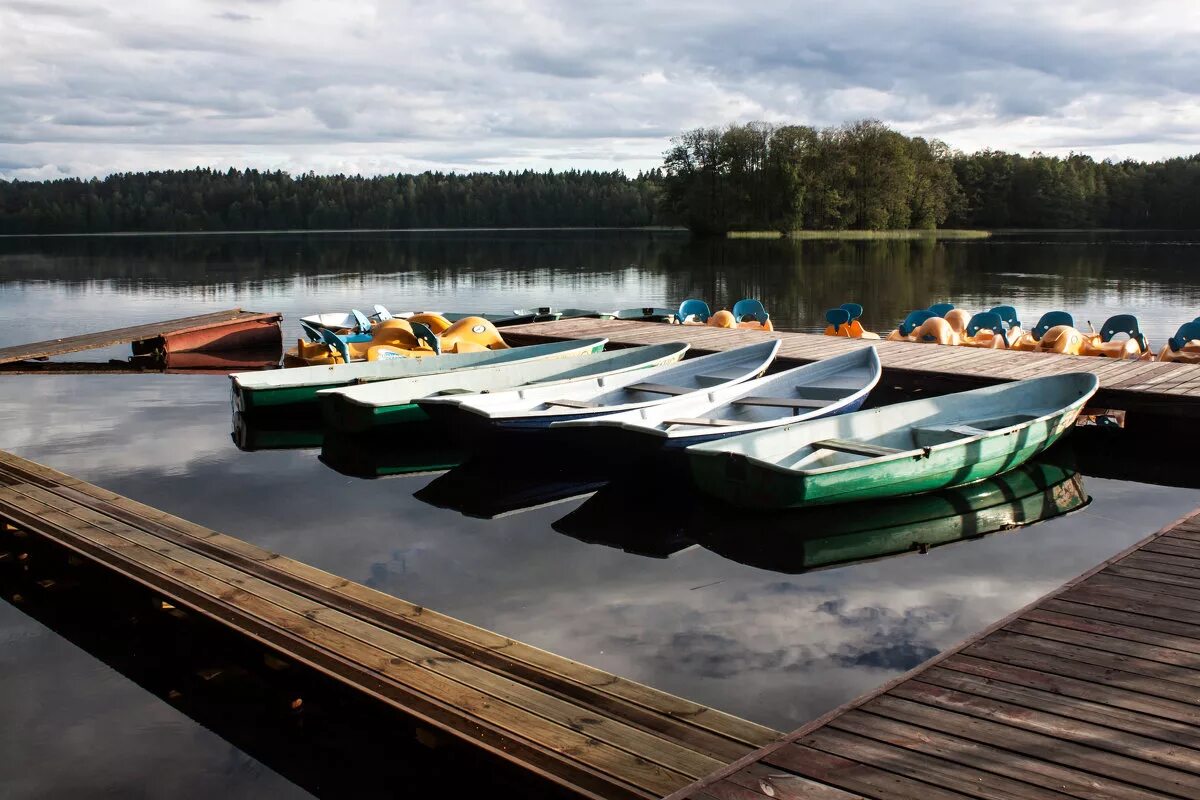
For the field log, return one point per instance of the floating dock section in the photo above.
(219, 331)
(1150, 388)
(1091, 692)
(582, 729)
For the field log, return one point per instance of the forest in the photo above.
(865, 175)
(212, 200)
(742, 177)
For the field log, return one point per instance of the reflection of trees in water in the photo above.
(796, 279)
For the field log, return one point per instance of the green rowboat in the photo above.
(274, 389)
(908, 448)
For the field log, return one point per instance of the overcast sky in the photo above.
(89, 88)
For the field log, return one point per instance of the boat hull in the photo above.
(245, 333)
(743, 482)
(248, 398)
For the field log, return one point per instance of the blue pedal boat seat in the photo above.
(837, 317)
(914, 321)
(1008, 315)
(748, 309)
(694, 308)
(1188, 331)
(425, 334)
(337, 343)
(1123, 323)
(987, 320)
(1050, 320)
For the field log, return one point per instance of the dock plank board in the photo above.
(128, 335)
(706, 729)
(585, 730)
(1154, 388)
(1092, 691)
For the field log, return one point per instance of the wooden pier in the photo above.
(1143, 388)
(217, 331)
(581, 729)
(1092, 691)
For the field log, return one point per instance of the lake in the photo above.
(717, 622)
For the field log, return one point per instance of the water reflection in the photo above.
(492, 485)
(621, 515)
(779, 649)
(143, 278)
(419, 448)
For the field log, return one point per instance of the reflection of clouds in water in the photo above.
(778, 649)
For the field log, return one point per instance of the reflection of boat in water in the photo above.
(422, 448)
(627, 514)
(489, 487)
(820, 538)
(282, 432)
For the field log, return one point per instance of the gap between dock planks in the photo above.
(584, 729)
(1157, 388)
(134, 333)
(1092, 691)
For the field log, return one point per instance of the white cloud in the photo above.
(358, 86)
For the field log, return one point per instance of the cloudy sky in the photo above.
(92, 87)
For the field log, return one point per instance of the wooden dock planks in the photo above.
(589, 731)
(1091, 692)
(233, 319)
(1157, 388)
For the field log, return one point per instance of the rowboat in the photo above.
(901, 449)
(644, 314)
(825, 388)
(253, 391)
(534, 408)
(824, 537)
(360, 408)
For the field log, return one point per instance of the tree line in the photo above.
(234, 200)
(867, 176)
(753, 176)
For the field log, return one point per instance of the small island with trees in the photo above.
(754, 177)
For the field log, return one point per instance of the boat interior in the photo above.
(833, 451)
(770, 400)
(689, 376)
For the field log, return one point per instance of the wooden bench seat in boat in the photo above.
(571, 403)
(823, 392)
(783, 402)
(701, 421)
(855, 448)
(658, 388)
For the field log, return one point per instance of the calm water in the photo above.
(749, 638)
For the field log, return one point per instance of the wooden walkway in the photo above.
(1155, 388)
(242, 326)
(580, 728)
(1090, 692)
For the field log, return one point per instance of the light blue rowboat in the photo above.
(534, 408)
(824, 388)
